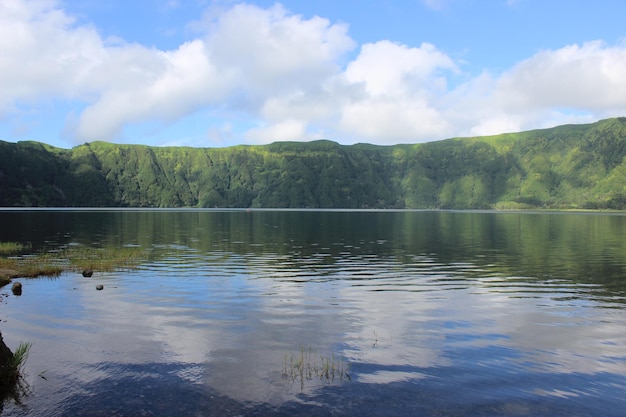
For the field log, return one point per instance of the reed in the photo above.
(20, 355)
(307, 365)
(12, 384)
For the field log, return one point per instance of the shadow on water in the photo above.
(157, 389)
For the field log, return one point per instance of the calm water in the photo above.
(430, 313)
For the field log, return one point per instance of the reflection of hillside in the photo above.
(586, 248)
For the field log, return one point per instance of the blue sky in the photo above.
(220, 73)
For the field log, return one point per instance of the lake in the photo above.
(325, 313)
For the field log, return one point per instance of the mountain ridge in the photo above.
(564, 167)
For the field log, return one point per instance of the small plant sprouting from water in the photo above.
(19, 357)
(307, 365)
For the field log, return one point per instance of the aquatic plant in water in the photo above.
(12, 384)
(307, 365)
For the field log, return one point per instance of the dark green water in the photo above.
(430, 313)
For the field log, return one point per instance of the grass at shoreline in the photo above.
(8, 248)
(14, 264)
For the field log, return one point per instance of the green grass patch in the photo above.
(74, 258)
(9, 248)
(103, 259)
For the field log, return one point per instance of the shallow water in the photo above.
(418, 313)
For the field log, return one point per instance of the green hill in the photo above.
(572, 166)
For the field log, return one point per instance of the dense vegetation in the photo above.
(572, 166)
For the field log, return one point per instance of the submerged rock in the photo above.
(6, 358)
(16, 288)
(99, 287)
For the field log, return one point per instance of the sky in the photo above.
(216, 73)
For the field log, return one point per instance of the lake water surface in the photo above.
(395, 313)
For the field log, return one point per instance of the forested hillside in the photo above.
(573, 166)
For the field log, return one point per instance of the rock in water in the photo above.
(99, 287)
(87, 272)
(6, 374)
(17, 288)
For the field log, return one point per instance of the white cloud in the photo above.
(309, 105)
(573, 84)
(388, 68)
(386, 94)
(393, 120)
(164, 86)
(288, 76)
(401, 89)
(46, 55)
(43, 55)
(588, 76)
(274, 51)
(284, 130)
